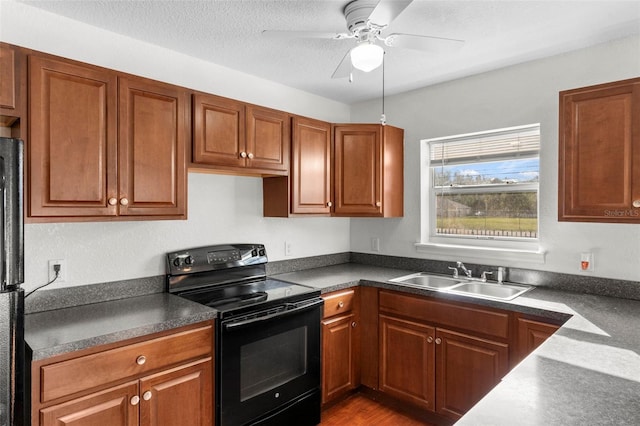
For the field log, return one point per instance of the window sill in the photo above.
(492, 254)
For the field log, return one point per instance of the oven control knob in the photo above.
(254, 253)
(262, 252)
(176, 261)
(189, 260)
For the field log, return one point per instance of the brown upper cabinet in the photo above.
(364, 176)
(599, 161)
(307, 189)
(368, 163)
(239, 138)
(104, 145)
(12, 84)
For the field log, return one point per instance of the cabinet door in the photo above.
(407, 361)
(357, 152)
(339, 357)
(531, 334)
(219, 131)
(12, 89)
(151, 158)
(268, 139)
(182, 396)
(599, 178)
(310, 168)
(72, 143)
(467, 369)
(113, 407)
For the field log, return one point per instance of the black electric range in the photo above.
(267, 339)
(230, 278)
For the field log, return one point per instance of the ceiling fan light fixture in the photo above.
(367, 56)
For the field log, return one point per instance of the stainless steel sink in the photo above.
(490, 290)
(431, 281)
(479, 289)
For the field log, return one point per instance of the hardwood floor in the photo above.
(358, 410)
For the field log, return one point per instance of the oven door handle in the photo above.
(234, 325)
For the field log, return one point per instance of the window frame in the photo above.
(476, 246)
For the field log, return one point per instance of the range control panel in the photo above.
(218, 257)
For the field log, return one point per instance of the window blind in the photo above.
(517, 142)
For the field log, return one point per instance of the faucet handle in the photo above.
(455, 271)
(484, 275)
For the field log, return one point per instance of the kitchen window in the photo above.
(480, 190)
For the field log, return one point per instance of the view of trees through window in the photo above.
(487, 198)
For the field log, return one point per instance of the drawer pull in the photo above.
(135, 400)
(341, 304)
(354, 324)
(438, 341)
(429, 339)
(113, 201)
(636, 203)
(147, 395)
(141, 360)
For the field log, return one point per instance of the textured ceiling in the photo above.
(229, 33)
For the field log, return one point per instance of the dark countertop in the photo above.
(70, 329)
(588, 373)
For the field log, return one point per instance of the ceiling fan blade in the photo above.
(304, 34)
(421, 42)
(388, 10)
(344, 68)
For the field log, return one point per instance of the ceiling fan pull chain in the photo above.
(383, 118)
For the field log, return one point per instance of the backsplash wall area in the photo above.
(517, 95)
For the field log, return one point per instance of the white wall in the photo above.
(517, 95)
(222, 209)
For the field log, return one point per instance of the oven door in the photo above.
(269, 366)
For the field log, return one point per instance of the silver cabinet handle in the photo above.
(341, 304)
(141, 360)
(147, 395)
(250, 155)
(636, 203)
(429, 339)
(329, 203)
(354, 324)
(113, 201)
(135, 400)
(438, 341)
(243, 154)
(378, 203)
(124, 202)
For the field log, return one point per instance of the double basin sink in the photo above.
(463, 286)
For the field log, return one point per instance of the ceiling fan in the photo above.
(366, 21)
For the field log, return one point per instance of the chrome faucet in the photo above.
(455, 271)
(464, 269)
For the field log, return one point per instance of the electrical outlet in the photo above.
(375, 244)
(63, 270)
(287, 248)
(586, 261)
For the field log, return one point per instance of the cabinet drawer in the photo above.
(99, 369)
(338, 303)
(476, 319)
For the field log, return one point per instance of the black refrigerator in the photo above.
(12, 346)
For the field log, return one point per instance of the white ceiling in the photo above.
(229, 33)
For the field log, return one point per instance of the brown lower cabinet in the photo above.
(438, 369)
(340, 345)
(164, 379)
(531, 332)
